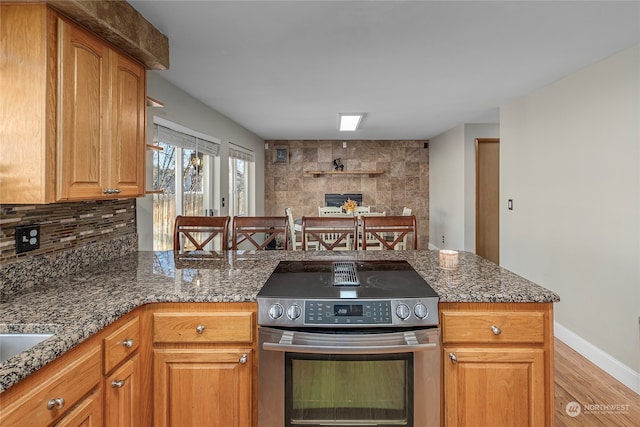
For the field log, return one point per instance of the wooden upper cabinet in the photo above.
(73, 122)
(83, 113)
(101, 122)
(27, 104)
(128, 124)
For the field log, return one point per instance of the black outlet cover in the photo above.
(27, 238)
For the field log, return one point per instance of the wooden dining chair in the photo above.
(391, 232)
(372, 242)
(295, 243)
(260, 232)
(199, 231)
(330, 232)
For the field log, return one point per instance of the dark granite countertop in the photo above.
(77, 306)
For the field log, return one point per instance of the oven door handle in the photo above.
(286, 345)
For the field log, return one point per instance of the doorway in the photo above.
(488, 198)
(185, 171)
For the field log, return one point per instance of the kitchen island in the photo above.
(77, 307)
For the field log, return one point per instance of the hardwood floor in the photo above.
(603, 401)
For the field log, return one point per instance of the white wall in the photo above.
(183, 109)
(570, 160)
(471, 133)
(452, 186)
(446, 189)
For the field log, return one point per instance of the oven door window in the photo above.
(347, 390)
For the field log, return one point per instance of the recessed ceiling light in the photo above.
(349, 121)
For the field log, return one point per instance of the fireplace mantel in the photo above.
(371, 173)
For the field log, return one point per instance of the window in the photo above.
(184, 169)
(240, 173)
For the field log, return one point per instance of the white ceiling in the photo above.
(285, 69)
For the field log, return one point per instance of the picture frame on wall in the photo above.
(281, 155)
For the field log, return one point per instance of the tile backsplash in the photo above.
(72, 236)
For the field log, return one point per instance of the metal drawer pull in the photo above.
(453, 358)
(128, 343)
(495, 330)
(243, 358)
(200, 329)
(56, 403)
(111, 191)
(117, 384)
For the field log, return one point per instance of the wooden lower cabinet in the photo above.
(87, 414)
(202, 387)
(494, 387)
(53, 393)
(122, 395)
(203, 360)
(497, 364)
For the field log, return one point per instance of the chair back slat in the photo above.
(295, 244)
(330, 232)
(206, 227)
(259, 231)
(389, 232)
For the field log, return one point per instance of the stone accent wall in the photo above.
(405, 181)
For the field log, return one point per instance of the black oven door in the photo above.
(349, 379)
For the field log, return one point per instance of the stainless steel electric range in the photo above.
(348, 343)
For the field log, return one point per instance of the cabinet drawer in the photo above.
(69, 385)
(493, 327)
(121, 344)
(205, 327)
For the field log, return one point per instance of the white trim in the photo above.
(600, 358)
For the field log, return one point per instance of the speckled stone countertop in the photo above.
(77, 306)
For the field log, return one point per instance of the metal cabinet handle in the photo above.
(111, 191)
(453, 358)
(495, 330)
(55, 403)
(117, 383)
(200, 329)
(128, 343)
(243, 358)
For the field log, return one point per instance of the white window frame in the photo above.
(248, 156)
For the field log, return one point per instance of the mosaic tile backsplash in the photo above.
(72, 236)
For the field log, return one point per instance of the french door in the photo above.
(184, 170)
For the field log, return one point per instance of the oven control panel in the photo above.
(348, 312)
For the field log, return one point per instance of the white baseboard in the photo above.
(603, 360)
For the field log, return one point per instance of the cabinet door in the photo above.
(83, 113)
(128, 115)
(87, 414)
(122, 395)
(202, 387)
(494, 387)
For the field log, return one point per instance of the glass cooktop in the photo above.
(333, 279)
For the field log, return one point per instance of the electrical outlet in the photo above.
(27, 238)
